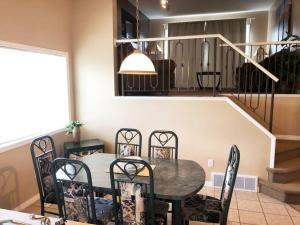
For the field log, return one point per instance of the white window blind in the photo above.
(33, 93)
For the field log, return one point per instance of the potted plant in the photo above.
(74, 128)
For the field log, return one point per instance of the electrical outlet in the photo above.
(210, 163)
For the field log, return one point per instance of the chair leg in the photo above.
(42, 208)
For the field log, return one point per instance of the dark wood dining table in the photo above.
(174, 180)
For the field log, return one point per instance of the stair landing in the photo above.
(289, 192)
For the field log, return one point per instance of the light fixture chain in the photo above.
(138, 23)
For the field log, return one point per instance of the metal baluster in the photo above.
(222, 68)
(163, 68)
(194, 80)
(215, 65)
(246, 82)
(179, 43)
(226, 67)
(288, 69)
(267, 80)
(281, 67)
(188, 68)
(275, 64)
(239, 77)
(272, 107)
(233, 83)
(169, 58)
(208, 62)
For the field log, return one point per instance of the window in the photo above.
(248, 37)
(33, 93)
(166, 44)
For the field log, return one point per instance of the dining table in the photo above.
(174, 179)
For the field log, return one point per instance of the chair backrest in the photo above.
(75, 199)
(229, 181)
(43, 153)
(133, 191)
(163, 144)
(128, 142)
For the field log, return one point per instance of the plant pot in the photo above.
(76, 134)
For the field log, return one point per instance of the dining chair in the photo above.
(133, 194)
(208, 209)
(163, 144)
(128, 142)
(43, 153)
(76, 200)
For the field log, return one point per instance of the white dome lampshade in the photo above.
(137, 63)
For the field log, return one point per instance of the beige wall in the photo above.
(206, 128)
(259, 23)
(287, 115)
(295, 19)
(39, 23)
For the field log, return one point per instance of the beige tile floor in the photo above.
(246, 208)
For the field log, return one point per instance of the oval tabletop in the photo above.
(173, 179)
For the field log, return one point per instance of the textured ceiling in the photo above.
(153, 10)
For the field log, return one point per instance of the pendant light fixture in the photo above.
(137, 63)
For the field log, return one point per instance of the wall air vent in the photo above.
(242, 183)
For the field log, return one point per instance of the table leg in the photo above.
(66, 154)
(176, 213)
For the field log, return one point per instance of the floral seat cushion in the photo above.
(75, 199)
(162, 152)
(127, 150)
(49, 192)
(132, 205)
(203, 208)
(45, 165)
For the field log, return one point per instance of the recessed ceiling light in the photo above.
(164, 4)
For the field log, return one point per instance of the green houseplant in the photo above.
(74, 128)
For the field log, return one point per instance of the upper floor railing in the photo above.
(201, 65)
(279, 57)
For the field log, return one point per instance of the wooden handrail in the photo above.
(266, 43)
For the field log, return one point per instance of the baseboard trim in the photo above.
(288, 137)
(27, 203)
(208, 183)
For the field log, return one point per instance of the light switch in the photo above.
(210, 163)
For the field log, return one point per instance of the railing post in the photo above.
(215, 66)
(272, 106)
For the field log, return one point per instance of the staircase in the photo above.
(284, 180)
